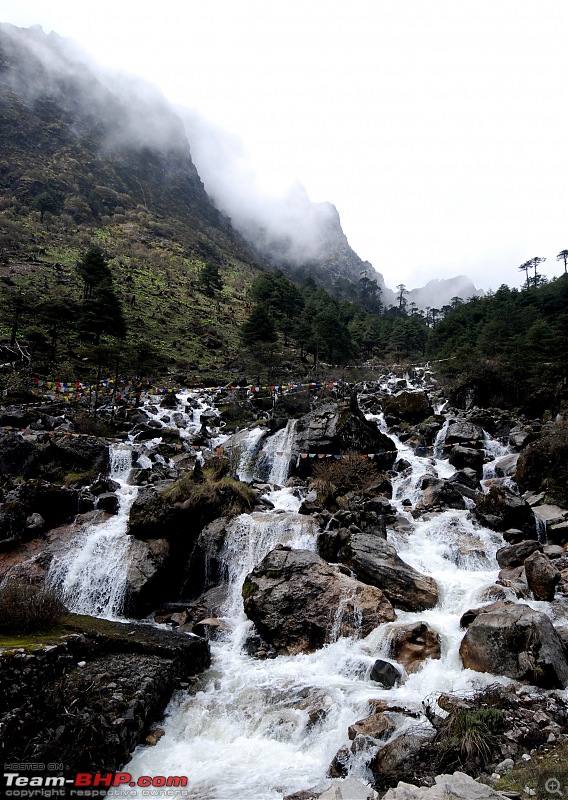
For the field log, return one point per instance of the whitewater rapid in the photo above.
(261, 729)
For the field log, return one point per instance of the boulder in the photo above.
(506, 467)
(147, 571)
(336, 428)
(82, 453)
(440, 493)
(413, 643)
(376, 726)
(501, 509)
(18, 456)
(298, 602)
(458, 786)
(109, 502)
(13, 519)
(464, 433)
(376, 562)
(385, 673)
(517, 642)
(514, 555)
(542, 576)
(466, 481)
(467, 457)
(14, 417)
(408, 406)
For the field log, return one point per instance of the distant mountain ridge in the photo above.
(104, 147)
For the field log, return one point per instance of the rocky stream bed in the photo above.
(323, 596)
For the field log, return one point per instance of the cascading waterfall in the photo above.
(274, 461)
(261, 729)
(92, 573)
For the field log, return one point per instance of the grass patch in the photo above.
(25, 608)
(544, 776)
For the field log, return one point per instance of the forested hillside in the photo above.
(113, 259)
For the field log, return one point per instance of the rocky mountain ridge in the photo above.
(79, 142)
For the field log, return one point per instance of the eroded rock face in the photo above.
(517, 642)
(376, 562)
(298, 602)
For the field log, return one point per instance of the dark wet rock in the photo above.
(501, 509)
(108, 502)
(376, 562)
(437, 492)
(150, 516)
(514, 555)
(385, 673)
(128, 674)
(506, 467)
(467, 483)
(13, 521)
(103, 485)
(80, 453)
(14, 417)
(336, 428)
(298, 602)
(56, 504)
(408, 406)
(209, 604)
(467, 457)
(331, 542)
(542, 576)
(413, 643)
(517, 642)
(18, 456)
(148, 574)
(464, 433)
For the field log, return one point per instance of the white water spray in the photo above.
(261, 729)
(92, 573)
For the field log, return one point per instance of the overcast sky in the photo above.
(438, 128)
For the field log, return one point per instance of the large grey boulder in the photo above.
(298, 602)
(148, 567)
(517, 642)
(440, 493)
(467, 458)
(336, 428)
(501, 509)
(409, 406)
(375, 561)
(464, 433)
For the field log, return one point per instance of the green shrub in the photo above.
(25, 607)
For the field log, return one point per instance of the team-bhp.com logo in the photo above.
(93, 784)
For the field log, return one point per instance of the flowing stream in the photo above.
(92, 573)
(260, 729)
